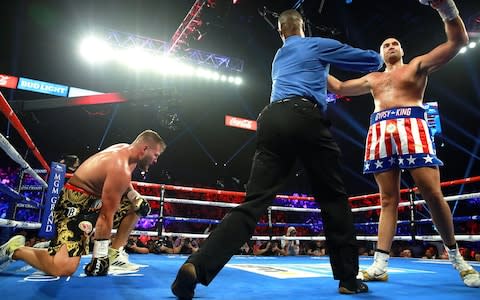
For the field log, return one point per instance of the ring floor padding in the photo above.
(244, 277)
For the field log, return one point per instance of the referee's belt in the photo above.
(297, 98)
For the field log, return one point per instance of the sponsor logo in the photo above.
(240, 123)
(55, 184)
(281, 271)
(42, 87)
(8, 81)
(284, 271)
(72, 212)
(85, 226)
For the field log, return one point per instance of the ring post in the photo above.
(411, 199)
(270, 227)
(160, 214)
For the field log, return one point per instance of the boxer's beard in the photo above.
(143, 164)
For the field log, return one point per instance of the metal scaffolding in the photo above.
(178, 45)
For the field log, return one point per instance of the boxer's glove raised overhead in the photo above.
(99, 264)
(446, 8)
(141, 206)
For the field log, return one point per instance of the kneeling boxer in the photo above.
(99, 196)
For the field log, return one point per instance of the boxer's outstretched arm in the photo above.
(354, 87)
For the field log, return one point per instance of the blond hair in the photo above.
(150, 136)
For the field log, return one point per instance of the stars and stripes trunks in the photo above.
(399, 138)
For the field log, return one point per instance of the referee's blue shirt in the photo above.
(301, 66)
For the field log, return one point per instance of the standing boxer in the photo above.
(399, 138)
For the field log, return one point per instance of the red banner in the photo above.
(97, 99)
(8, 81)
(240, 123)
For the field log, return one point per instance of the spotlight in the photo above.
(463, 50)
(237, 80)
(95, 50)
(472, 45)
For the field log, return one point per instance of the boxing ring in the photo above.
(188, 212)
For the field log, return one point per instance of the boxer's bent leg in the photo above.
(60, 264)
(74, 216)
(125, 220)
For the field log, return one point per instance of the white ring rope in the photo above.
(460, 237)
(298, 209)
(12, 152)
(35, 225)
(20, 224)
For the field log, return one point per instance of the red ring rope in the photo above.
(12, 118)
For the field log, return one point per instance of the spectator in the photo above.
(135, 245)
(431, 252)
(246, 249)
(316, 248)
(290, 247)
(406, 252)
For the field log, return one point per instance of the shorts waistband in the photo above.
(69, 186)
(416, 112)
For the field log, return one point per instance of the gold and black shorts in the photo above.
(75, 215)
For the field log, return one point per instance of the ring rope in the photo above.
(298, 209)
(213, 221)
(460, 237)
(232, 193)
(11, 192)
(33, 225)
(464, 237)
(12, 152)
(8, 112)
(19, 197)
(20, 224)
(415, 189)
(455, 219)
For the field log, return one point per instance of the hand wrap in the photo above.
(446, 9)
(99, 264)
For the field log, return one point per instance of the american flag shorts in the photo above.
(399, 138)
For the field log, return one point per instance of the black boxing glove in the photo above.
(99, 264)
(141, 206)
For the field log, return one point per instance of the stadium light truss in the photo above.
(142, 53)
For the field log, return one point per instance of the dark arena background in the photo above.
(79, 76)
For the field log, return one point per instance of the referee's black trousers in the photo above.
(287, 130)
